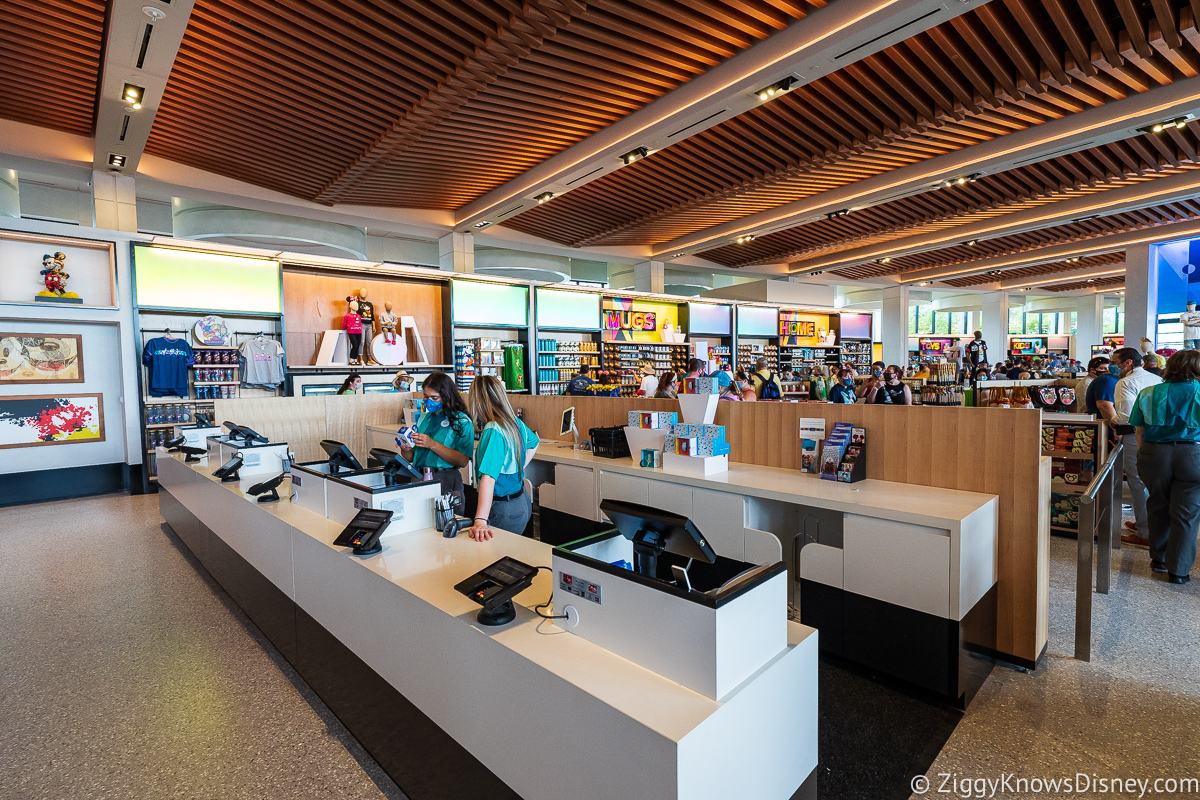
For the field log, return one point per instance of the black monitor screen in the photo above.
(508, 571)
(676, 533)
(568, 421)
(340, 456)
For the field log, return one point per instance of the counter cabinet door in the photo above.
(575, 491)
(899, 563)
(721, 517)
(671, 497)
(615, 486)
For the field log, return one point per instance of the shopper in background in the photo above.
(766, 383)
(982, 375)
(922, 370)
(1152, 363)
(1099, 398)
(403, 382)
(872, 381)
(743, 385)
(444, 436)
(578, 385)
(843, 390)
(649, 383)
(1097, 366)
(892, 391)
(1014, 372)
(977, 350)
(1132, 381)
(695, 368)
(1166, 418)
(505, 449)
(668, 386)
(352, 384)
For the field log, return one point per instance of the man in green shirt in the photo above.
(1166, 418)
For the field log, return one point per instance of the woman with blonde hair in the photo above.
(505, 448)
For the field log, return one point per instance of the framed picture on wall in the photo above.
(41, 358)
(34, 420)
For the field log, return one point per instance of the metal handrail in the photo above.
(1105, 487)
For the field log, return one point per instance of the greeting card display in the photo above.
(843, 455)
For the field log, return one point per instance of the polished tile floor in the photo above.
(1133, 711)
(127, 674)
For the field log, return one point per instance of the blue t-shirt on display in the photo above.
(1103, 388)
(167, 362)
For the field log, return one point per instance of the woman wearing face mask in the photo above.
(892, 391)
(444, 437)
(843, 390)
(873, 380)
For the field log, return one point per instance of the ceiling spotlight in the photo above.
(544, 196)
(972, 242)
(1072, 260)
(635, 155)
(747, 238)
(136, 106)
(923, 283)
(775, 89)
(884, 260)
(1091, 280)
(678, 255)
(133, 94)
(154, 13)
(481, 224)
(1159, 127)
(840, 213)
(116, 160)
(994, 272)
(961, 181)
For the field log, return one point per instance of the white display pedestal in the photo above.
(334, 350)
(410, 324)
(640, 439)
(698, 409)
(389, 355)
(698, 466)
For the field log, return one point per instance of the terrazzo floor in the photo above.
(128, 674)
(1133, 711)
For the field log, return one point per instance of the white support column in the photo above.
(1141, 295)
(114, 201)
(1089, 326)
(895, 325)
(650, 276)
(10, 195)
(995, 325)
(456, 251)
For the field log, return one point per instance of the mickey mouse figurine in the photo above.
(53, 274)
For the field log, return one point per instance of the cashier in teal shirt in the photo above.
(445, 436)
(506, 447)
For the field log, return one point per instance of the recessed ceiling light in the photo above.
(635, 155)
(154, 13)
(132, 93)
(136, 106)
(544, 196)
(885, 259)
(923, 283)
(1091, 280)
(481, 224)
(116, 160)
(749, 237)
(678, 255)
(767, 92)
(972, 242)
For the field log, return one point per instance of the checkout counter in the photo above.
(897, 577)
(537, 708)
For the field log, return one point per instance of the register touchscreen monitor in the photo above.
(394, 465)
(654, 532)
(248, 434)
(228, 472)
(568, 425)
(494, 588)
(191, 454)
(340, 456)
(268, 490)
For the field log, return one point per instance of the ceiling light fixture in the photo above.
(923, 283)
(133, 94)
(154, 13)
(1072, 260)
(635, 155)
(481, 224)
(835, 214)
(749, 237)
(972, 242)
(116, 160)
(776, 89)
(544, 196)
(1159, 127)
(679, 255)
(884, 260)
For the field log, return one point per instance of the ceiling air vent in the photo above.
(886, 35)
(694, 124)
(141, 59)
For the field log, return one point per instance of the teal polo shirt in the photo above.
(457, 434)
(497, 457)
(1169, 412)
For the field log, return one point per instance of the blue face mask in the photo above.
(848, 381)
(404, 386)
(433, 406)
(1114, 370)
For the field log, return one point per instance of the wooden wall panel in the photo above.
(349, 415)
(299, 421)
(314, 302)
(990, 450)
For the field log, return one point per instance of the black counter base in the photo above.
(45, 485)
(423, 760)
(951, 659)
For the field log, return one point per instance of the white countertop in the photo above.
(904, 502)
(426, 565)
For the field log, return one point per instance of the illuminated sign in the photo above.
(617, 320)
(188, 279)
(797, 327)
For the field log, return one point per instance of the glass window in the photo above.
(1109, 320)
(924, 319)
(1074, 322)
(1033, 323)
(1016, 320)
(941, 322)
(912, 321)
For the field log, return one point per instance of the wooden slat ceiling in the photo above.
(1098, 261)
(1005, 66)
(428, 103)
(1136, 160)
(50, 62)
(1099, 283)
(1081, 231)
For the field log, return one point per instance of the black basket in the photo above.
(609, 442)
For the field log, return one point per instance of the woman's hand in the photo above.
(480, 531)
(421, 440)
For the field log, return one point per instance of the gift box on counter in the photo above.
(699, 386)
(652, 420)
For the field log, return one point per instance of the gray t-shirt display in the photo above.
(262, 363)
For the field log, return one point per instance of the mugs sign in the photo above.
(616, 320)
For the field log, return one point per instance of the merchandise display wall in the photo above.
(315, 301)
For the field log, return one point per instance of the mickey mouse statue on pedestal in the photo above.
(54, 276)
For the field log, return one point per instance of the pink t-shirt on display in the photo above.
(352, 323)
